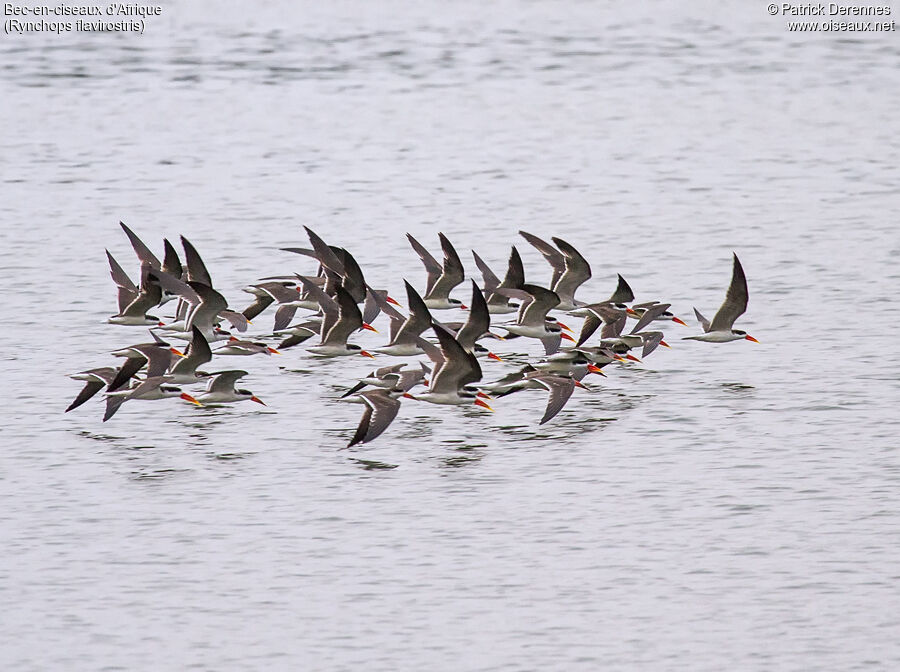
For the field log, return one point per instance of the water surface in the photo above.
(718, 507)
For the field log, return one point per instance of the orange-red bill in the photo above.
(491, 355)
(578, 383)
(566, 337)
(273, 351)
(750, 338)
(593, 368)
(368, 326)
(563, 326)
(681, 322)
(393, 302)
(483, 395)
(258, 400)
(187, 397)
(480, 402)
(630, 311)
(178, 352)
(664, 344)
(365, 353)
(632, 358)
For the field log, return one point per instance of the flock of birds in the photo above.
(338, 303)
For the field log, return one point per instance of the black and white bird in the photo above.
(476, 326)
(221, 389)
(157, 357)
(299, 333)
(560, 388)
(396, 376)
(638, 310)
(342, 318)
(205, 309)
(405, 331)
(135, 303)
(532, 320)
(94, 381)
(442, 278)
(570, 268)
(238, 347)
(183, 371)
(497, 303)
(381, 409)
(620, 298)
(149, 389)
(454, 375)
(721, 329)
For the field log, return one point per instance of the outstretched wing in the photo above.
(491, 281)
(702, 320)
(577, 269)
(477, 323)
(349, 319)
(452, 272)
(623, 293)
(432, 267)
(553, 256)
(127, 291)
(543, 302)
(735, 300)
(223, 381)
(460, 368)
(560, 389)
(381, 409)
(649, 315)
(142, 251)
(196, 269)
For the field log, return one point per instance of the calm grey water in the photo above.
(718, 507)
